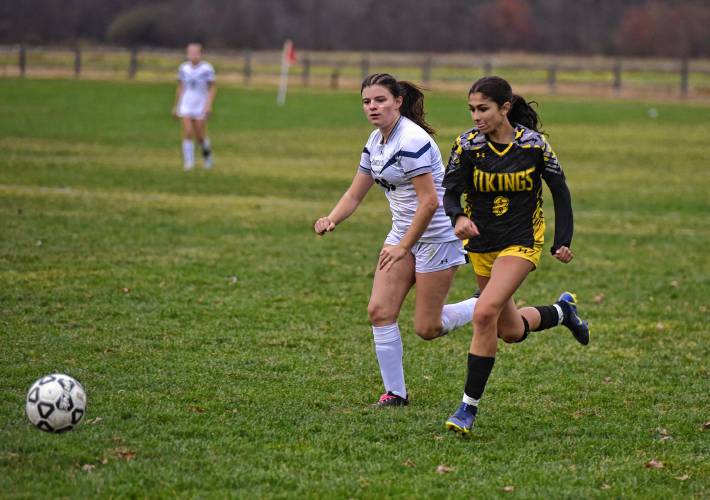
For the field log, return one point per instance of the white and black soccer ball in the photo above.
(56, 403)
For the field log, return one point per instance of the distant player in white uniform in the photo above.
(194, 98)
(421, 247)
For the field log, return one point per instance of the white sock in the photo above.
(456, 315)
(560, 313)
(188, 153)
(469, 400)
(388, 347)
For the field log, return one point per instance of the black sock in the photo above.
(549, 317)
(479, 368)
(206, 150)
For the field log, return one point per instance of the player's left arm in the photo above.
(562, 200)
(427, 203)
(211, 91)
(211, 94)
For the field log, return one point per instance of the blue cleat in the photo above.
(462, 420)
(580, 329)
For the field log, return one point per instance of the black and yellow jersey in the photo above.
(501, 186)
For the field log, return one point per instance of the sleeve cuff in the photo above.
(454, 213)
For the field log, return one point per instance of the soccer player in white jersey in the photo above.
(421, 248)
(194, 98)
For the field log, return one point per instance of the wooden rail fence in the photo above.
(545, 73)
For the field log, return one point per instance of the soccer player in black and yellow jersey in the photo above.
(498, 168)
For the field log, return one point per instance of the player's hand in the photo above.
(390, 255)
(465, 228)
(564, 254)
(174, 111)
(208, 110)
(324, 225)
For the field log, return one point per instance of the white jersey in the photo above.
(409, 152)
(195, 88)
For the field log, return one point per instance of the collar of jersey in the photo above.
(396, 125)
(518, 134)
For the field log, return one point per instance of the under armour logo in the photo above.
(480, 155)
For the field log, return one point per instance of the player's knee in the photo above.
(427, 331)
(380, 315)
(509, 337)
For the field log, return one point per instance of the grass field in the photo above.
(226, 350)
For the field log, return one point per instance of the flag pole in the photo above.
(287, 58)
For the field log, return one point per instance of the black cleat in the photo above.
(390, 399)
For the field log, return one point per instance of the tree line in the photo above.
(676, 28)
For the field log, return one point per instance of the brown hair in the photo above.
(412, 97)
(499, 91)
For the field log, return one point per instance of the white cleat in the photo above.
(208, 163)
(188, 166)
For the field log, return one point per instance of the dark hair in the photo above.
(412, 97)
(498, 90)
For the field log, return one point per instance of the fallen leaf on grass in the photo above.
(605, 486)
(438, 437)
(39, 243)
(508, 488)
(443, 469)
(93, 421)
(104, 461)
(660, 326)
(125, 289)
(654, 464)
(607, 380)
(662, 431)
(674, 283)
(705, 426)
(197, 409)
(233, 279)
(666, 438)
(684, 477)
(599, 298)
(88, 467)
(125, 454)
(585, 412)
(409, 463)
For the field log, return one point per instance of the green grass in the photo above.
(239, 360)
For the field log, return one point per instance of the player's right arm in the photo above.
(348, 203)
(178, 91)
(178, 96)
(458, 174)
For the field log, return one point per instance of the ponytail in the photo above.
(413, 105)
(523, 113)
(412, 97)
(499, 91)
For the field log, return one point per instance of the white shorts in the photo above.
(432, 257)
(192, 108)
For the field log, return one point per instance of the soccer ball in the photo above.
(56, 403)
